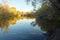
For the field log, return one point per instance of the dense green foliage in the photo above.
(48, 15)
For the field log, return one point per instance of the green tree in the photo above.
(48, 15)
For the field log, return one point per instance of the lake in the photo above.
(21, 30)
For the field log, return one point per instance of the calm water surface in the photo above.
(22, 30)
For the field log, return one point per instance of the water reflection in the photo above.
(20, 29)
(41, 23)
(4, 23)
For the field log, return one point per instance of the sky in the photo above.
(19, 5)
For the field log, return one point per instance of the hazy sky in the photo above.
(19, 4)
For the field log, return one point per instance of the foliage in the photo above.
(47, 17)
(36, 3)
(8, 15)
(6, 12)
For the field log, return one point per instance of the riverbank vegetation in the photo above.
(47, 15)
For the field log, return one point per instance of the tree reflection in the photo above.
(5, 23)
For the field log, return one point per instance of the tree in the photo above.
(48, 15)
